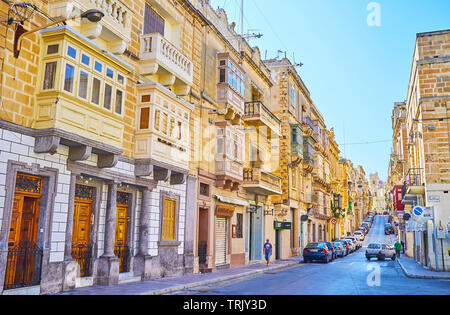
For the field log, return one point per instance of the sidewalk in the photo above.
(174, 284)
(414, 270)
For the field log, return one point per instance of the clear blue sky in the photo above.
(355, 72)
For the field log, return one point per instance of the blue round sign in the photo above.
(418, 211)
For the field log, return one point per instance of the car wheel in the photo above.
(368, 258)
(394, 257)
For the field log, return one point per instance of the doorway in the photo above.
(24, 255)
(121, 248)
(82, 220)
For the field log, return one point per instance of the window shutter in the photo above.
(153, 22)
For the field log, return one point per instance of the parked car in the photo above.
(366, 225)
(359, 235)
(331, 247)
(317, 251)
(364, 230)
(339, 248)
(346, 245)
(352, 244)
(388, 229)
(380, 251)
(354, 240)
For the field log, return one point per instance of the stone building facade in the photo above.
(421, 141)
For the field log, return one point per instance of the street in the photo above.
(351, 275)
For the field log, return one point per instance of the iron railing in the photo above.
(23, 267)
(202, 252)
(83, 255)
(414, 177)
(123, 253)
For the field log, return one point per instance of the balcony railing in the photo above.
(259, 181)
(257, 110)
(159, 51)
(308, 121)
(414, 177)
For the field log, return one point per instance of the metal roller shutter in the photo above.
(221, 241)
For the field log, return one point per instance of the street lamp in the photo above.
(92, 15)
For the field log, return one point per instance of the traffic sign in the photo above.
(333, 221)
(441, 232)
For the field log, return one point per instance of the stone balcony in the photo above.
(260, 182)
(162, 62)
(114, 29)
(255, 113)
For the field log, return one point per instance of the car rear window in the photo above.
(374, 246)
(315, 245)
(337, 244)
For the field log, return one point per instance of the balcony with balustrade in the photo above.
(114, 29)
(260, 182)
(162, 62)
(257, 114)
(414, 185)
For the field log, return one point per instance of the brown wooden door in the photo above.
(121, 236)
(22, 240)
(81, 234)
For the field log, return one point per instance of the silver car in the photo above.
(380, 251)
(356, 242)
(340, 249)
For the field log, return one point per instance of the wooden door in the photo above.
(22, 247)
(81, 234)
(81, 223)
(121, 247)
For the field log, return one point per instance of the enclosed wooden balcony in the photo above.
(80, 97)
(229, 156)
(260, 182)
(162, 62)
(162, 138)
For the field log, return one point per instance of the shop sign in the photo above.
(282, 225)
(223, 211)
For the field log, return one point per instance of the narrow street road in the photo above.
(352, 275)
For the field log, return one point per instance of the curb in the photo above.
(415, 276)
(211, 281)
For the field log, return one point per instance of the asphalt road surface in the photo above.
(351, 275)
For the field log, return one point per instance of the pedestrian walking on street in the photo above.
(403, 246)
(398, 248)
(267, 251)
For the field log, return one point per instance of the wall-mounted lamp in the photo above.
(92, 15)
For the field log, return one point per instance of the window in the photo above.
(157, 119)
(120, 79)
(49, 76)
(145, 117)
(69, 78)
(293, 97)
(108, 96)
(239, 219)
(109, 73)
(72, 52)
(180, 129)
(86, 60)
(96, 91)
(169, 219)
(153, 22)
(204, 189)
(98, 67)
(228, 72)
(83, 85)
(164, 123)
(52, 49)
(119, 101)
